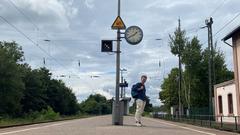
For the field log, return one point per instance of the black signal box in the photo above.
(107, 46)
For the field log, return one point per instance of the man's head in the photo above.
(143, 79)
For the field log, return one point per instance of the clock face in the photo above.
(133, 35)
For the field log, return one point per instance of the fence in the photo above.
(228, 123)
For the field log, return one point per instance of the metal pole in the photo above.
(117, 118)
(121, 82)
(236, 126)
(221, 122)
(44, 62)
(124, 90)
(180, 75)
(179, 88)
(117, 105)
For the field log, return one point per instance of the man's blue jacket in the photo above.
(141, 93)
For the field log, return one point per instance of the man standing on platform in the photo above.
(140, 99)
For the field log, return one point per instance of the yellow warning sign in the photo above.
(118, 23)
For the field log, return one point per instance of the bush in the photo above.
(47, 114)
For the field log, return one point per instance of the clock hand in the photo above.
(132, 35)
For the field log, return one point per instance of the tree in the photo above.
(11, 90)
(177, 44)
(24, 90)
(220, 72)
(148, 106)
(12, 51)
(194, 82)
(169, 93)
(178, 41)
(61, 98)
(96, 104)
(191, 58)
(35, 92)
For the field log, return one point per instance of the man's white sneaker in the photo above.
(138, 124)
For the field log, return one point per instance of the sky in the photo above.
(65, 32)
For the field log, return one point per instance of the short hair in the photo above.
(144, 76)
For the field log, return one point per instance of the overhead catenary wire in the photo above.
(229, 22)
(35, 42)
(35, 25)
(20, 11)
(196, 29)
(22, 33)
(218, 7)
(224, 26)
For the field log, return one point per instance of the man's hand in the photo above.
(141, 88)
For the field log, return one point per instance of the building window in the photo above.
(220, 104)
(230, 104)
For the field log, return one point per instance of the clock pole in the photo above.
(134, 38)
(117, 115)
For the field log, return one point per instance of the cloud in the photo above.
(166, 4)
(75, 29)
(90, 3)
(46, 14)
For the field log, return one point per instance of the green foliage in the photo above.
(169, 93)
(177, 41)
(61, 98)
(132, 108)
(157, 109)
(162, 108)
(26, 91)
(192, 59)
(192, 55)
(12, 51)
(45, 114)
(194, 91)
(96, 105)
(148, 106)
(11, 83)
(49, 114)
(35, 92)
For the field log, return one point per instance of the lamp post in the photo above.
(48, 40)
(159, 39)
(44, 59)
(92, 77)
(122, 70)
